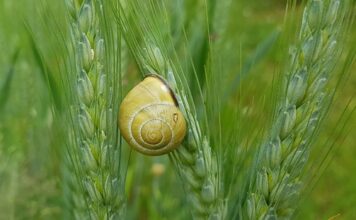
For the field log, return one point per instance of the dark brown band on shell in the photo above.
(166, 84)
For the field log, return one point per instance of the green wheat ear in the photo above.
(276, 186)
(94, 181)
(194, 161)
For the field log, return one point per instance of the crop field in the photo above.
(177, 109)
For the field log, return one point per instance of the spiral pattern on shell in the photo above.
(149, 118)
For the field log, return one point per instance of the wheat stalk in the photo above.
(94, 188)
(8, 179)
(274, 190)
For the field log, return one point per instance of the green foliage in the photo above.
(267, 91)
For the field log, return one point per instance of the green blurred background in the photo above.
(30, 145)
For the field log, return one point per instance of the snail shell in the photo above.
(149, 118)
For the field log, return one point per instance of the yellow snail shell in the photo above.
(149, 118)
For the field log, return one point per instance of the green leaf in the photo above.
(5, 88)
(45, 72)
(261, 51)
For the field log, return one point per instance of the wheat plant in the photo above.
(88, 70)
(95, 185)
(275, 187)
(280, 161)
(255, 116)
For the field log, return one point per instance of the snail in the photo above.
(149, 118)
